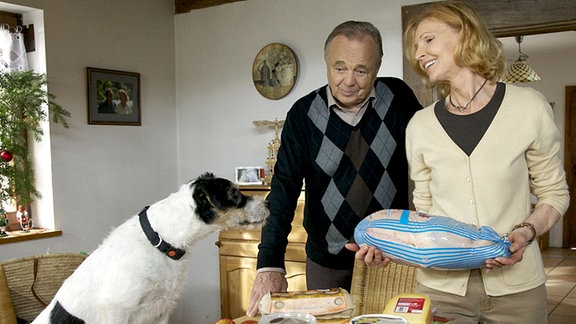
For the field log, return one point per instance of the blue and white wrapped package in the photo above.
(425, 241)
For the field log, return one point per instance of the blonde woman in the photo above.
(477, 155)
(123, 107)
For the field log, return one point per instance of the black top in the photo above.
(467, 130)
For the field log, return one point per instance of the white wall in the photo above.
(553, 57)
(103, 174)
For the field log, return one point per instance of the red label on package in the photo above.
(409, 305)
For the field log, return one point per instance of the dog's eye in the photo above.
(235, 195)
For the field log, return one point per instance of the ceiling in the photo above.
(563, 41)
(541, 43)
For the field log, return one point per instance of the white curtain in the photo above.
(12, 51)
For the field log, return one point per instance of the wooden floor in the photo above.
(561, 285)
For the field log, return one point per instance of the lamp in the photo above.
(520, 71)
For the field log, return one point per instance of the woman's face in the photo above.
(122, 96)
(435, 44)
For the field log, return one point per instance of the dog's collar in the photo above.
(156, 240)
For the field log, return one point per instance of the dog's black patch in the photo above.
(211, 192)
(60, 315)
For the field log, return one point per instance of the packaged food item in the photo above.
(426, 241)
(378, 319)
(414, 308)
(288, 318)
(324, 303)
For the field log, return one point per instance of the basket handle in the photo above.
(40, 300)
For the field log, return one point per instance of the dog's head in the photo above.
(220, 202)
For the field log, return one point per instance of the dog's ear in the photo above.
(204, 207)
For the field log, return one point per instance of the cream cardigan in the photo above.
(517, 155)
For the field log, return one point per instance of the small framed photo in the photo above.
(249, 175)
(113, 97)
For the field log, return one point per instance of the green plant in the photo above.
(24, 104)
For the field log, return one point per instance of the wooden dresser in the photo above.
(238, 250)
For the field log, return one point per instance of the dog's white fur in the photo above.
(128, 280)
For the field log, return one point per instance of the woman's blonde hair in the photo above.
(122, 91)
(478, 49)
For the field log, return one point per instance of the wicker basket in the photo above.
(7, 314)
(373, 287)
(33, 281)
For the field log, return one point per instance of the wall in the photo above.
(553, 57)
(100, 175)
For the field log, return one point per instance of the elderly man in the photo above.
(346, 141)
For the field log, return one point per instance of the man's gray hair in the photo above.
(356, 30)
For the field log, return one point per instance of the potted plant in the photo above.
(24, 104)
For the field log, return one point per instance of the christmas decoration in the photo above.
(3, 223)
(6, 155)
(24, 106)
(273, 147)
(26, 222)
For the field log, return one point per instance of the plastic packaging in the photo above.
(288, 318)
(322, 303)
(426, 241)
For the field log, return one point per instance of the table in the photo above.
(239, 320)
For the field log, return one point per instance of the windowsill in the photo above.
(33, 234)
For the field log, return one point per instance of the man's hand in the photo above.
(370, 254)
(264, 283)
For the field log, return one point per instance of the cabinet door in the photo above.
(237, 276)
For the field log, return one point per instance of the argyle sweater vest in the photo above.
(349, 172)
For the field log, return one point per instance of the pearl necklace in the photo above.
(463, 108)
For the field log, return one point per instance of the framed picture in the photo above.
(274, 71)
(249, 175)
(113, 97)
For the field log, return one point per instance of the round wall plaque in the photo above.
(274, 71)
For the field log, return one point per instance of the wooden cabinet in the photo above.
(238, 250)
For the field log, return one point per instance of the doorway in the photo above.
(515, 18)
(569, 222)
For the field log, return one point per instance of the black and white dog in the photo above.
(136, 274)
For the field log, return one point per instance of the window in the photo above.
(31, 21)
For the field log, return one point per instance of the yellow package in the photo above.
(415, 308)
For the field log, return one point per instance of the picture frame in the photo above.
(249, 175)
(113, 97)
(274, 71)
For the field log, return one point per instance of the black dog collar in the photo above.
(156, 240)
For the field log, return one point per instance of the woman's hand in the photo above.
(370, 254)
(519, 240)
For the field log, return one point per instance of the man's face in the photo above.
(352, 67)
